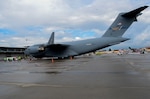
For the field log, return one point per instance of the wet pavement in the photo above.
(91, 77)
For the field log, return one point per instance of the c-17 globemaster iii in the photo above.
(70, 49)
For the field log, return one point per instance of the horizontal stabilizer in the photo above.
(134, 13)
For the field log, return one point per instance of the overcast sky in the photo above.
(27, 22)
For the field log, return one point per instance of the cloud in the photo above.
(79, 19)
(143, 39)
(145, 16)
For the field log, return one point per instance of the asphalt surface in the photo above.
(91, 77)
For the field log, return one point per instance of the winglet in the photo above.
(134, 13)
(51, 40)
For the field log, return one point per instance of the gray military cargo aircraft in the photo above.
(70, 49)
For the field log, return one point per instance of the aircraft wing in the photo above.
(58, 46)
(60, 50)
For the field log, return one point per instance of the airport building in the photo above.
(11, 52)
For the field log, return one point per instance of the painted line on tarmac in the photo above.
(32, 84)
(27, 85)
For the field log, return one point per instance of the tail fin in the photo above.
(51, 40)
(123, 22)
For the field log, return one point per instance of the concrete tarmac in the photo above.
(92, 77)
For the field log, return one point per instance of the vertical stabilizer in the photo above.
(123, 22)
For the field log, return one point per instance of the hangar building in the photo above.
(11, 51)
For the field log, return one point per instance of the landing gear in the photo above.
(60, 57)
(69, 57)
